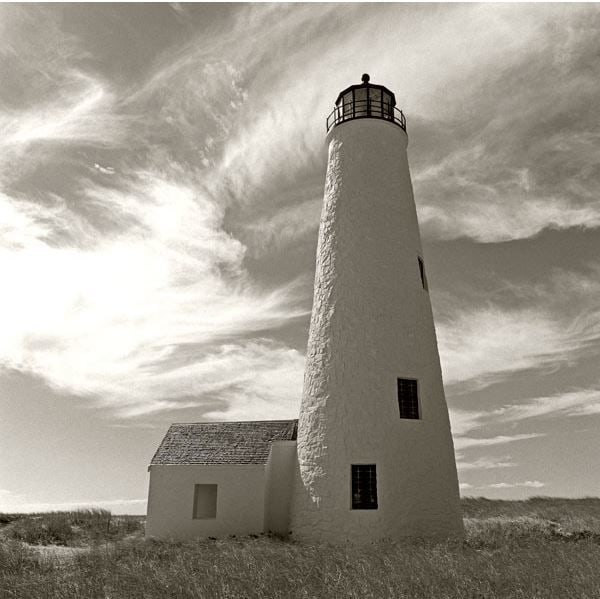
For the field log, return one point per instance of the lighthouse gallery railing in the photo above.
(366, 109)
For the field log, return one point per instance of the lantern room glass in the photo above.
(366, 101)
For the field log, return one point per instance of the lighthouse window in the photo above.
(388, 107)
(375, 101)
(348, 104)
(408, 398)
(364, 487)
(422, 272)
(360, 102)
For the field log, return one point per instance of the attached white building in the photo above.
(223, 478)
(374, 455)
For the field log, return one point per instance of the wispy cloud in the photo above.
(81, 112)
(484, 345)
(582, 402)
(155, 313)
(484, 464)
(533, 484)
(500, 209)
(467, 421)
(509, 165)
(527, 484)
(105, 170)
(544, 326)
(257, 131)
(491, 217)
(468, 442)
(284, 227)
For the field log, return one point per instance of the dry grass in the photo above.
(541, 548)
(74, 528)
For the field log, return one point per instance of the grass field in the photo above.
(540, 548)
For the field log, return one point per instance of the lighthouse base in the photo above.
(329, 517)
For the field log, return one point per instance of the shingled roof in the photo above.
(222, 442)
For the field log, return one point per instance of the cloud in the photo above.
(81, 112)
(466, 421)
(156, 312)
(249, 102)
(105, 170)
(484, 464)
(516, 150)
(283, 227)
(534, 484)
(528, 484)
(468, 442)
(484, 345)
(582, 402)
(546, 325)
(59, 100)
(51, 96)
(492, 218)
(247, 381)
(463, 421)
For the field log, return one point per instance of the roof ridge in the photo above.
(236, 421)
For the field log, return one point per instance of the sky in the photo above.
(161, 181)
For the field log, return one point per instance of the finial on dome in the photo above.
(365, 78)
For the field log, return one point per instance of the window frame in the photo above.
(371, 507)
(418, 398)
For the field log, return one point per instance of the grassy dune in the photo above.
(542, 548)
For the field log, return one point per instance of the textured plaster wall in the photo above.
(240, 501)
(279, 485)
(371, 323)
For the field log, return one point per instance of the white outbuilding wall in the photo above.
(279, 484)
(240, 501)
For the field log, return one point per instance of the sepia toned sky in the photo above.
(161, 178)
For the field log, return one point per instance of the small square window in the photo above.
(364, 487)
(408, 398)
(422, 273)
(205, 501)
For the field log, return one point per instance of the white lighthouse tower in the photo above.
(375, 453)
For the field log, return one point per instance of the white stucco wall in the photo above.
(279, 484)
(240, 501)
(371, 323)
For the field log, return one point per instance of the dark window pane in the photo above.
(422, 272)
(388, 108)
(375, 105)
(375, 94)
(364, 487)
(348, 105)
(408, 398)
(360, 100)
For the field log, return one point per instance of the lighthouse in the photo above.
(374, 447)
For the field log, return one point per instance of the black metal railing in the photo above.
(366, 109)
